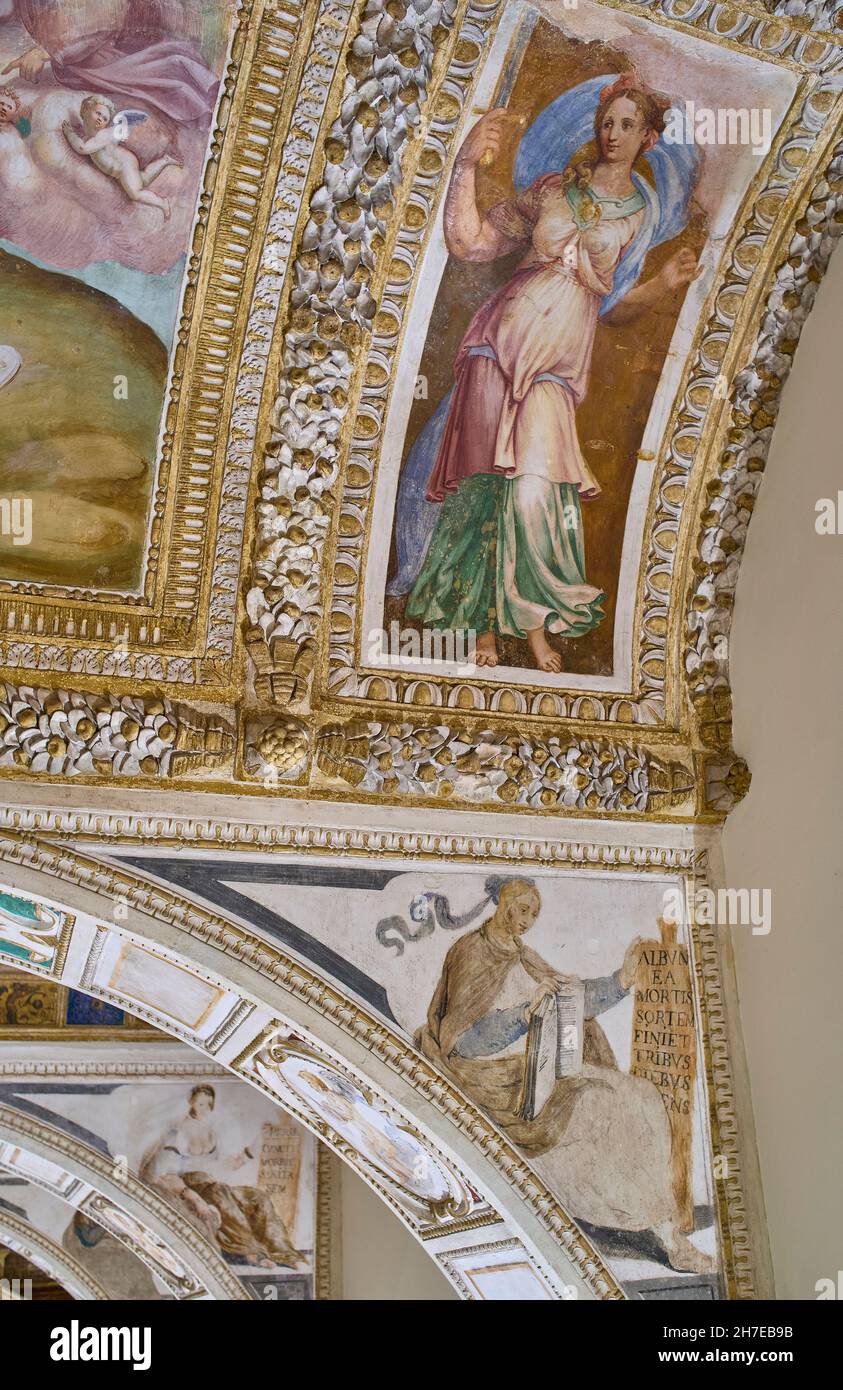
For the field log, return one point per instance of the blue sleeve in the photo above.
(603, 993)
(493, 1033)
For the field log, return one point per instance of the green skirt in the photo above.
(507, 556)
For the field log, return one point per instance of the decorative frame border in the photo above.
(673, 746)
(180, 628)
(308, 443)
(53, 969)
(651, 701)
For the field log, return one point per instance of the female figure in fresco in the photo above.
(602, 1139)
(506, 556)
(187, 1168)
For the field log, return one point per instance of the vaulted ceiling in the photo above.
(243, 769)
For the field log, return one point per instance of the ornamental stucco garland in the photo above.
(65, 733)
(756, 398)
(390, 68)
(815, 14)
(494, 766)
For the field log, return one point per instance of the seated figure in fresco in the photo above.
(185, 1167)
(500, 458)
(142, 50)
(602, 1141)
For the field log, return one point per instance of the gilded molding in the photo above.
(651, 701)
(298, 980)
(478, 765)
(93, 1166)
(275, 1046)
(179, 628)
(328, 1226)
(109, 829)
(181, 1282)
(819, 15)
(733, 489)
(448, 1260)
(328, 261)
(389, 71)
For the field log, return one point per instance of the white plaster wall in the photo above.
(380, 1259)
(787, 675)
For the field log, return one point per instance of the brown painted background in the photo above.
(626, 364)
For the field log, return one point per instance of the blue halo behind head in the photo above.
(563, 127)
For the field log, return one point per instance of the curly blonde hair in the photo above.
(90, 102)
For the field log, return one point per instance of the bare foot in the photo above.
(546, 658)
(486, 651)
(172, 163)
(684, 1256)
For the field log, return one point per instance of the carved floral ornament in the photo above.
(241, 661)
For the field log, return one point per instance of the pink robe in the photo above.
(123, 50)
(503, 417)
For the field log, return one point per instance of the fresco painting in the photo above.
(105, 112)
(226, 1160)
(577, 236)
(563, 1005)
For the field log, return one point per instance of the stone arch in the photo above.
(273, 1004)
(204, 1270)
(49, 1257)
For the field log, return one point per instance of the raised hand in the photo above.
(30, 64)
(630, 962)
(484, 139)
(680, 270)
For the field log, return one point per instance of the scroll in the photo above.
(664, 1048)
(554, 1047)
(280, 1168)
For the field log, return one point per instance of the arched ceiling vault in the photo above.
(49, 1257)
(271, 1008)
(217, 654)
(188, 1266)
(240, 662)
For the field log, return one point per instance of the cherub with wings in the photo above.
(105, 132)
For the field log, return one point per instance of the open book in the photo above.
(554, 1047)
